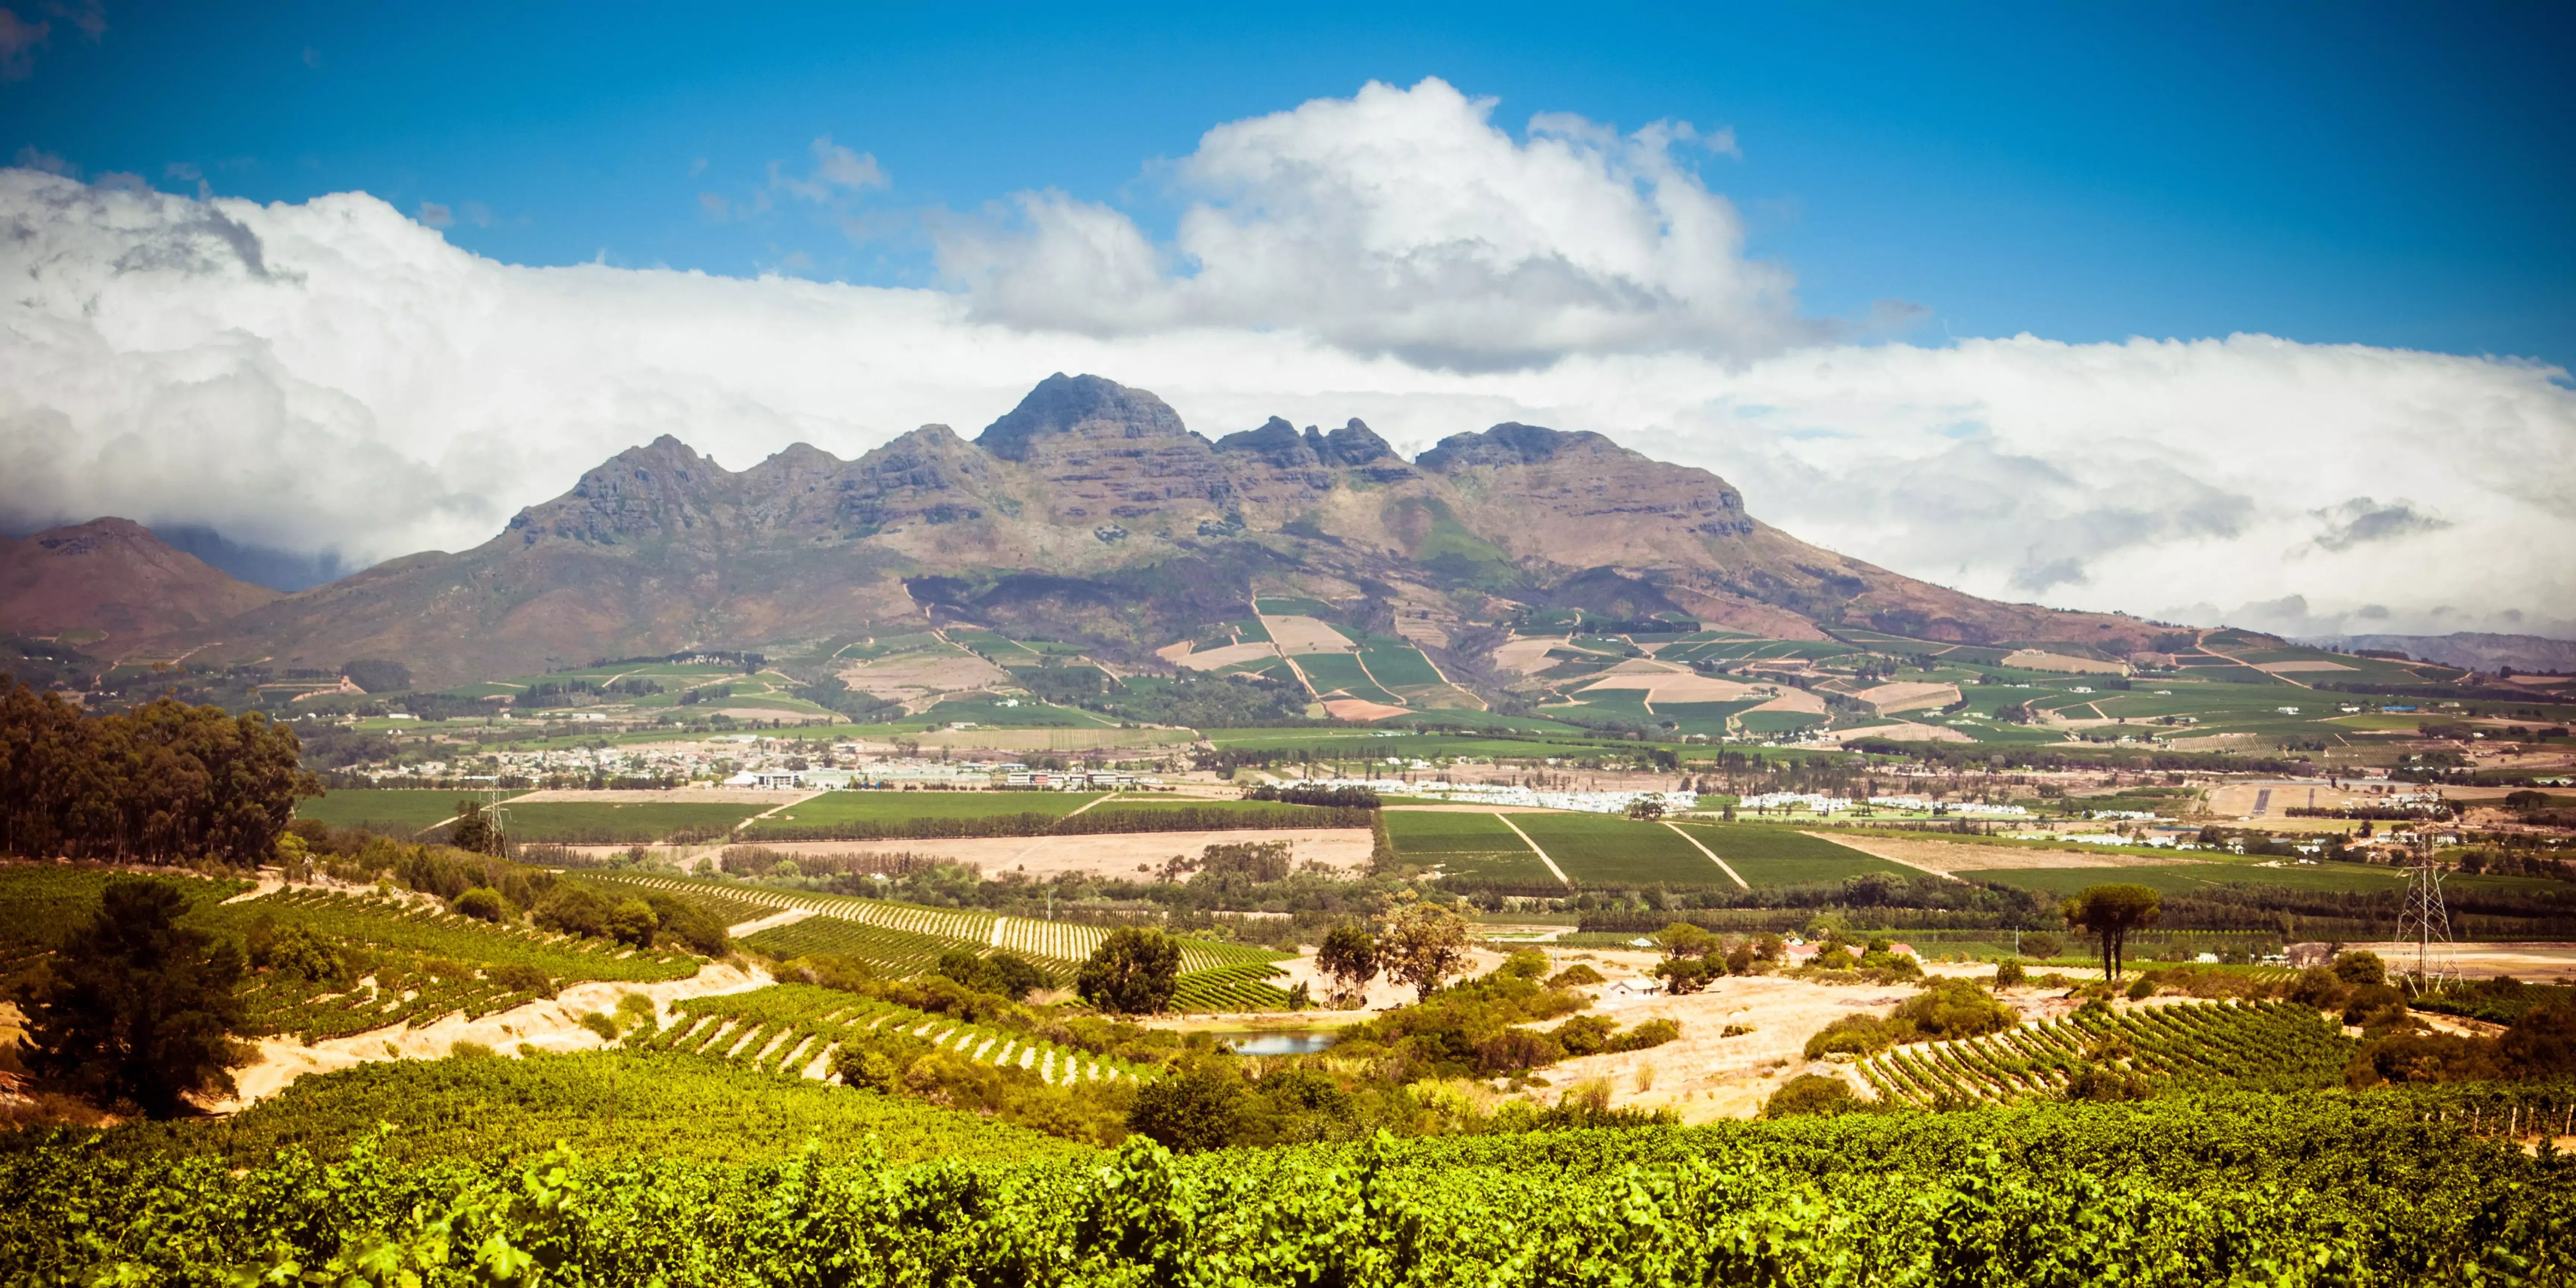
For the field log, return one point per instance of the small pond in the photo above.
(1277, 1042)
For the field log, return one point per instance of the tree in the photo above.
(1349, 955)
(1199, 1105)
(1422, 946)
(1691, 957)
(1645, 809)
(138, 1007)
(2109, 913)
(475, 832)
(1133, 972)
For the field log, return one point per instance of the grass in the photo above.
(1600, 850)
(612, 823)
(393, 811)
(1777, 856)
(1396, 664)
(832, 808)
(2189, 878)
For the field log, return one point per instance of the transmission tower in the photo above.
(2426, 924)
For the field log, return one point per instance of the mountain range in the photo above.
(1088, 512)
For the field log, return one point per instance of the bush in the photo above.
(600, 1024)
(1955, 1008)
(519, 977)
(1584, 1034)
(1858, 1035)
(1198, 1105)
(2141, 988)
(1651, 1034)
(2042, 947)
(1813, 1094)
(1577, 975)
(632, 923)
(482, 903)
(297, 950)
(1516, 1051)
(2009, 974)
(2360, 968)
(471, 1051)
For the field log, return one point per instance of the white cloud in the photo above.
(1405, 222)
(335, 375)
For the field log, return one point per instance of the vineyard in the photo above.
(2277, 1046)
(1231, 988)
(2190, 1190)
(615, 1103)
(418, 962)
(792, 1029)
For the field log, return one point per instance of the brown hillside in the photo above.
(113, 575)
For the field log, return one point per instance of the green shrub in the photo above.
(470, 1051)
(1652, 1033)
(1955, 1008)
(1577, 975)
(600, 1024)
(1584, 1034)
(2010, 974)
(482, 903)
(1812, 1094)
(1859, 1035)
(2141, 988)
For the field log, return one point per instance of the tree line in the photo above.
(162, 783)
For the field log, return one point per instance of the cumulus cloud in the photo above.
(332, 375)
(1404, 222)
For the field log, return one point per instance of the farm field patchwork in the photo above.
(833, 808)
(1464, 844)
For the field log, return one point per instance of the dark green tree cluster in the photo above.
(137, 1009)
(162, 783)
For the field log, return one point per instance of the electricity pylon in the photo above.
(2426, 924)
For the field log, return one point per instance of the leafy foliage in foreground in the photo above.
(606, 1104)
(2237, 1189)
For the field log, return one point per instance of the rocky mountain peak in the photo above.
(1506, 444)
(661, 488)
(1085, 406)
(1277, 442)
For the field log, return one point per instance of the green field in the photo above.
(613, 823)
(1397, 664)
(833, 808)
(1601, 850)
(1327, 672)
(2186, 878)
(393, 811)
(1778, 856)
(1462, 844)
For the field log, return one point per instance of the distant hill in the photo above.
(113, 576)
(1091, 512)
(2471, 649)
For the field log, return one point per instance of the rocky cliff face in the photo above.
(113, 575)
(1091, 510)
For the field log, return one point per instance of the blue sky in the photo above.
(2395, 176)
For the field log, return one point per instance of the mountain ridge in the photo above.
(1091, 511)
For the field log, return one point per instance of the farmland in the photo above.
(1767, 855)
(1597, 850)
(832, 809)
(392, 811)
(1465, 844)
(614, 823)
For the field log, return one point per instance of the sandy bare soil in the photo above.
(2031, 659)
(1904, 731)
(1527, 656)
(552, 1025)
(2236, 800)
(1946, 857)
(1306, 635)
(1180, 655)
(1908, 695)
(1673, 686)
(917, 677)
(1795, 700)
(1113, 854)
(1362, 709)
(674, 796)
(2536, 962)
